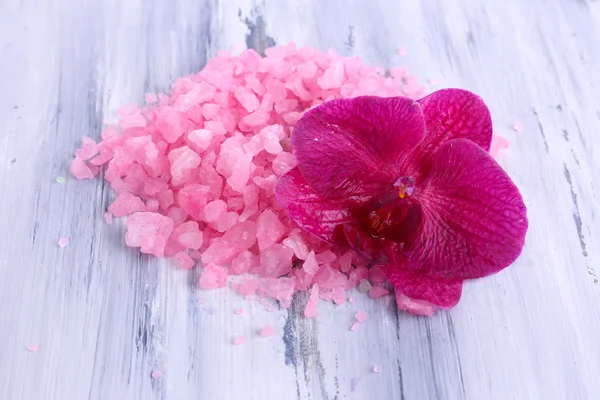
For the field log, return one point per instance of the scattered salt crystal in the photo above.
(498, 143)
(63, 242)
(377, 291)
(156, 374)
(108, 217)
(239, 340)
(377, 369)
(61, 179)
(267, 331)
(364, 286)
(32, 348)
(355, 326)
(310, 311)
(351, 299)
(361, 316)
(418, 307)
(184, 261)
(239, 311)
(518, 126)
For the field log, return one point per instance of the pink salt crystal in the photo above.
(518, 126)
(402, 51)
(183, 161)
(239, 311)
(271, 136)
(216, 127)
(225, 221)
(156, 374)
(307, 70)
(80, 170)
(267, 331)
(345, 262)
(88, 150)
(172, 124)
(364, 286)
(244, 262)
(63, 242)
(276, 88)
(296, 243)
(165, 199)
(351, 299)
(209, 110)
(248, 287)
(326, 257)
(149, 231)
(250, 194)
(254, 120)
(281, 289)
(239, 340)
(240, 173)
(276, 260)
(213, 276)
(108, 217)
(246, 98)
(376, 275)
(126, 204)
(498, 143)
(330, 278)
(269, 229)
(355, 326)
(152, 205)
(201, 138)
(310, 266)
(184, 261)
(214, 210)
(361, 316)
(283, 163)
(192, 199)
(339, 295)
(32, 348)
(188, 235)
(377, 291)
(310, 311)
(151, 98)
(419, 307)
(211, 179)
(133, 121)
(195, 254)
(333, 76)
(237, 239)
(377, 369)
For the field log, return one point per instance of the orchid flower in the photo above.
(409, 184)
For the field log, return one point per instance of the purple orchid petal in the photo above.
(440, 292)
(474, 220)
(309, 209)
(453, 114)
(352, 148)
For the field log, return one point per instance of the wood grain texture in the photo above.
(106, 317)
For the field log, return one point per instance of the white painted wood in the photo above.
(104, 317)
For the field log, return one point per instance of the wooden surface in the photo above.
(105, 317)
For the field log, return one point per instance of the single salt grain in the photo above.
(185, 261)
(361, 316)
(377, 291)
(376, 275)
(63, 242)
(239, 311)
(268, 229)
(267, 331)
(518, 126)
(32, 348)
(310, 311)
(498, 143)
(108, 217)
(364, 286)
(126, 204)
(402, 51)
(377, 369)
(239, 340)
(355, 326)
(156, 374)
(61, 179)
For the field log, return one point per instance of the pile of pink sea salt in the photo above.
(194, 171)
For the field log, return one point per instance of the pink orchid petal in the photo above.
(352, 148)
(454, 114)
(440, 292)
(474, 219)
(309, 209)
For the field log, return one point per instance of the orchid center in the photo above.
(394, 215)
